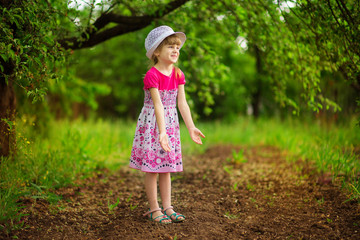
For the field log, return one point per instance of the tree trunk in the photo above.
(7, 102)
(7, 118)
(256, 96)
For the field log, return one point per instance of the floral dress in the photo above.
(147, 155)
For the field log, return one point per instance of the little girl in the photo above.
(156, 148)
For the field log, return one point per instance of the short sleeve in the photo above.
(151, 80)
(181, 80)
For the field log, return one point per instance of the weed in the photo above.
(354, 190)
(61, 207)
(113, 206)
(175, 177)
(290, 237)
(235, 186)
(329, 220)
(228, 169)
(320, 201)
(238, 157)
(250, 187)
(231, 216)
(270, 199)
(59, 228)
(129, 198)
(132, 207)
(11, 210)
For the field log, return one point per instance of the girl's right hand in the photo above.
(195, 135)
(164, 142)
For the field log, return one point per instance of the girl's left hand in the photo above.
(195, 135)
(164, 142)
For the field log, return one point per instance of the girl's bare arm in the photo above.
(160, 119)
(186, 115)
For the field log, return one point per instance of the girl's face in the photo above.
(168, 54)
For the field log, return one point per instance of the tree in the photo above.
(36, 34)
(296, 47)
(301, 42)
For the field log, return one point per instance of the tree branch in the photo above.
(345, 12)
(125, 24)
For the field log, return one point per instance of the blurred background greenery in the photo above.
(262, 58)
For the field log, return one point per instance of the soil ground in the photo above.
(264, 197)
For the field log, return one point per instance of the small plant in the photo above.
(320, 201)
(228, 169)
(250, 187)
(132, 207)
(113, 206)
(270, 199)
(128, 199)
(176, 177)
(235, 186)
(329, 220)
(230, 216)
(354, 190)
(238, 157)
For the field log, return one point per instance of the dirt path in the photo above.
(263, 198)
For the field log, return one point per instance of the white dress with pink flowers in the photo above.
(147, 154)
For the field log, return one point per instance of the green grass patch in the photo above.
(69, 151)
(331, 148)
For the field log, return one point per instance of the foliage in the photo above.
(119, 64)
(284, 43)
(223, 79)
(289, 48)
(28, 49)
(70, 152)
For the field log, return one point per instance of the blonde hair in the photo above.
(170, 40)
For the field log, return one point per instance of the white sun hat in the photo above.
(157, 35)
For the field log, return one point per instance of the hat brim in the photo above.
(181, 35)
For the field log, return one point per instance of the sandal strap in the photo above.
(163, 217)
(176, 215)
(151, 211)
(170, 207)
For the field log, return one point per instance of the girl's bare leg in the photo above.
(151, 193)
(165, 191)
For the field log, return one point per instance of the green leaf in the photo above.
(4, 57)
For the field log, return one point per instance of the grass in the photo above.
(69, 151)
(73, 150)
(331, 148)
